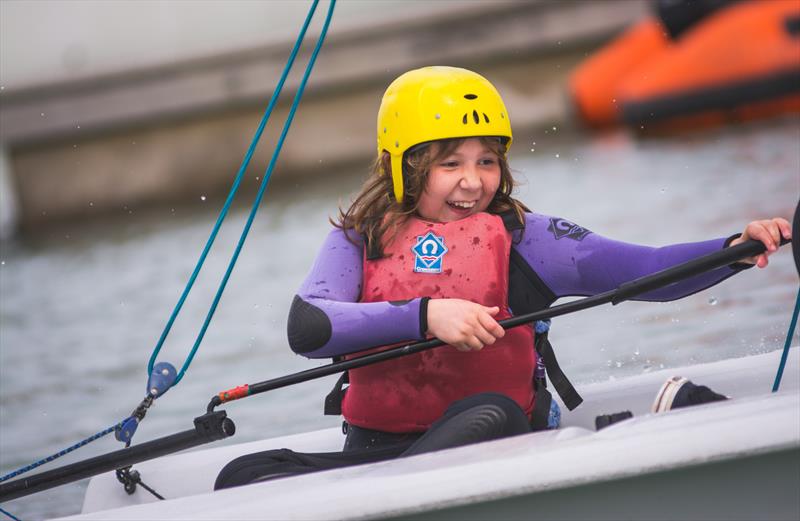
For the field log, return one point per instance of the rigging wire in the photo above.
(267, 174)
(234, 189)
(217, 225)
(789, 335)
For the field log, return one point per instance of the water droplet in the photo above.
(42, 114)
(533, 150)
(636, 353)
(558, 155)
(618, 364)
(713, 301)
(202, 197)
(91, 203)
(78, 126)
(554, 128)
(663, 190)
(2, 263)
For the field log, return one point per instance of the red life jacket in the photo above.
(408, 394)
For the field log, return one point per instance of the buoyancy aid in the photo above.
(466, 259)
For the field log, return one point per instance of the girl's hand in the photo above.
(463, 324)
(768, 231)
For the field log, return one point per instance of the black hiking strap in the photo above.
(562, 385)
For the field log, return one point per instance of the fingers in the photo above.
(785, 227)
(490, 324)
(483, 331)
(769, 232)
(466, 325)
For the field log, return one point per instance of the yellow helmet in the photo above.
(437, 103)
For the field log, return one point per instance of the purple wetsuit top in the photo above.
(569, 260)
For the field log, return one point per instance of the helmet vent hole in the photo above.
(475, 117)
(464, 119)
(485, 118)
(470, 96)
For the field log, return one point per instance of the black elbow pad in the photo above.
(309, 328)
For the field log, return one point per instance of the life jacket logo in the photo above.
(429, 251)
(563, 228)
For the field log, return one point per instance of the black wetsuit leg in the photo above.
(477, 418)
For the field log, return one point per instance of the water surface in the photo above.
(81, 310)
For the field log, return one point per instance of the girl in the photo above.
(434, 245)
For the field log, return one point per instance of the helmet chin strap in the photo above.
(397, 176)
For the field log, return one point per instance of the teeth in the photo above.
(462, 204)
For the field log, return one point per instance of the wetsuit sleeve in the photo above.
(572, 261)
(326, 318)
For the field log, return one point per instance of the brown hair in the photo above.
(376, 211)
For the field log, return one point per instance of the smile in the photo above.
(462, 204)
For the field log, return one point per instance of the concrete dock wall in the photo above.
(175, 132)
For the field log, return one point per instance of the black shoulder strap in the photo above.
(528, 293)
(511, 221)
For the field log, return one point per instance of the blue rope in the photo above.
(789, 335)
(234, 188)
(57, 455)
(262, 188)
(217, 225)
(12, 516)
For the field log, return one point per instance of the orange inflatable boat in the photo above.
(697, 63)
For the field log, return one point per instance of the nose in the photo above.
(470, 178)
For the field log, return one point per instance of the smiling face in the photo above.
(461, 183)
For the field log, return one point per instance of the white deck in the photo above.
(698, 447)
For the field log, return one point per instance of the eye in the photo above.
(487, 161)
(449, 163)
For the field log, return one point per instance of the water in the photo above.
(82, 308)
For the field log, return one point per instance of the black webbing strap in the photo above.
(333, 402)
(562, 385)
(541, 406)
(511, 221)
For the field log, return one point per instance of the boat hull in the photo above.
(738, 459)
